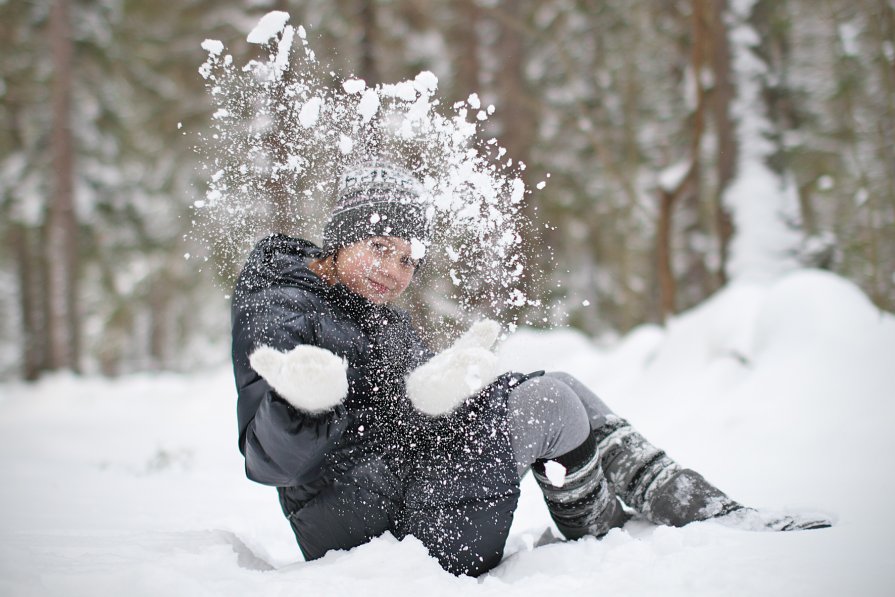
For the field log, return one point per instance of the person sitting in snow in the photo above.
(364, 430)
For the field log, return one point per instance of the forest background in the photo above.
(633, 107)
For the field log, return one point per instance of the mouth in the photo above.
(377, 287)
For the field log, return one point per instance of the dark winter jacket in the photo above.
(372, 464)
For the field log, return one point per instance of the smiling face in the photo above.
(378, 268)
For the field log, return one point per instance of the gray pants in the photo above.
(551, 415)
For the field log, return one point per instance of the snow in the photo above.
(403, 90)
(472, 192)
(310, 112)
(284, 47)
(354, 85)
(670, 178)
(346, 144)
(780, 393)
(213, 46)
(417, 248)
(425, 82)
(368, 105)
(763, 204)
(555, 472)
(270, 25)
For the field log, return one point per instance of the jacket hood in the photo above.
(279, 260)
(282, 261)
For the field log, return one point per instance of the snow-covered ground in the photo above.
(782, 395)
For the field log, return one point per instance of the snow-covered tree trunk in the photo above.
(762, 203)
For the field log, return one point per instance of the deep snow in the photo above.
(780, 394)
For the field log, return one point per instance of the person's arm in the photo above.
(284, 446)
(283, 443)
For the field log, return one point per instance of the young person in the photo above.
(364, 430)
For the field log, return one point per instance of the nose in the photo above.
(392, 266)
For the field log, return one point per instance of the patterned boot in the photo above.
(650, 482)
(579, 499)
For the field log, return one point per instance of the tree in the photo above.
(61, 223)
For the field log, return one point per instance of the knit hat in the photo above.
(376, 199)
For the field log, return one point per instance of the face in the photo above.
(378, 268)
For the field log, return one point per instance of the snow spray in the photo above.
(284, 126)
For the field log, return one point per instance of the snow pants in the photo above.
(458, 498)
(550, 415)
(457, 494)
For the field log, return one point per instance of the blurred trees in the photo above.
(630, 107)
(95, 181)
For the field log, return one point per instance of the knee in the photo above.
(549, 401)
(597, 410)
(563, 377)
(543, 396)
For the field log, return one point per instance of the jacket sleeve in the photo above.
(282, 446)
(285, 447)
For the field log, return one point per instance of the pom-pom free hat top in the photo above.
(376, 199)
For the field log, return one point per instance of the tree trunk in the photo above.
(518, 123)
(369, 70)
(159, 302)
(465, 42)
(697, 277)
(689, 184)
(31, 301)
(722, 98)
(61, 246)
(667, 286)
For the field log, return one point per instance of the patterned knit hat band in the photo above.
(376, 200)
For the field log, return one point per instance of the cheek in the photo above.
(361, 266)
(406, 278)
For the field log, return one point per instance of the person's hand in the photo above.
(310, 378)
(444, 382)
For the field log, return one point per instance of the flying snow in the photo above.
(213, 46)
(283, 124)
(268, 27)
(354, 85)
(556, 473)
(310, 111)
(417, 249)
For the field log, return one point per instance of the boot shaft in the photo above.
(650, 482)
(582, 502)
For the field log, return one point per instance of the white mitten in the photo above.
(440, 385)
(310, 378)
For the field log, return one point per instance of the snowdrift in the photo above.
(781, 395)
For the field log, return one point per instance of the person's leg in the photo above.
(646, 479)
(342, 516)
(638, 473)
(652, 483)
(641, 475)
(597, 410)
(548, 422)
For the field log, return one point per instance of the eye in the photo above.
(378, 246)
(409, 263)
